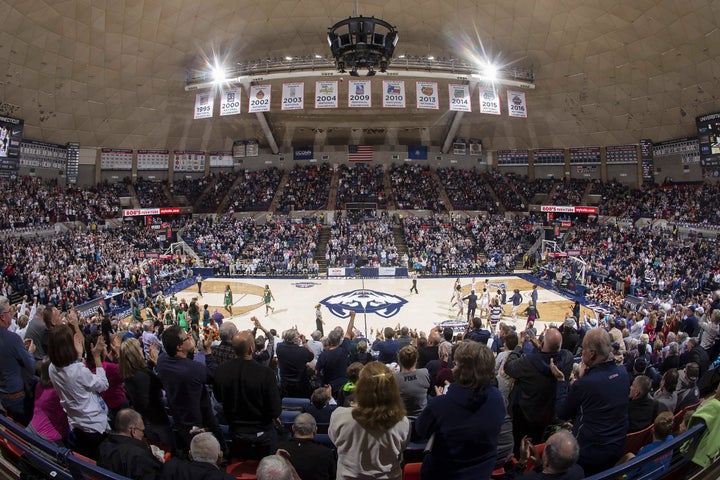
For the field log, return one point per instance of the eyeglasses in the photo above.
(186, 339)
(141, 430)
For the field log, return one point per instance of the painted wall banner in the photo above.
(568, 209)
(386, 271)
(326, 94)
(393, 93)
(204, 105)
(359, 93)
(230, 99)
(293, 96)
(336, 272)
(516, 104)
(489, 101)
(459, 97)
(303, 153)
(259, 99)
(426, 94)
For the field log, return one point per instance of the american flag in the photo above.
(360, 153)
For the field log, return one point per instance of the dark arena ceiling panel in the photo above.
(113, 72)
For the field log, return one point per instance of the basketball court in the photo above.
(378, 302)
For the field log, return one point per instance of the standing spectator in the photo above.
(49, 420)
(387, 346)
(39, 329)
(310, 459)
(371, 436)
(293, 355)
(466, 421)
(332, 362)
(16, 361)
(413, 382)
(596, 403)
(319, 320)
(224, 351)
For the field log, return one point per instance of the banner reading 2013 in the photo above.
(293, 96)
(459, 97)
(259, 99)
(393, 94)
(427, 95)
(326, 94)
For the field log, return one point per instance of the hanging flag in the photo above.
(359, 93)
(360, 153)
(516, 104)
(204, 105)
(229, 101)
(393, 94)
(293, 96)
(459, 97)
(326, 94)
(259, 99)
(427, 95)
(417, 152)
(489, 101)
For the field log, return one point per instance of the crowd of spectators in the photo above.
(152, 194)
(414, 188)
(502, 185)
(212, 199)
(502, 241)
(307, 188)
(467, 190)
(190, 188)
(367, 241)
(530, 188)
(569, 192)
(361, 183)
(254, 191)
(437, 246)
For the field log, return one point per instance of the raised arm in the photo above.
(351, 325)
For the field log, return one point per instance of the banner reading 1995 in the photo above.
(293, 96)
(204, 105)
(326, 94)
(259, 99)
(459, 97)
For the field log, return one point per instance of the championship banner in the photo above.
(393, 94)
(427, 95)
(204, 105)
(230, 101)
(359, 93)
(459, 97)
(221, 159)
(303, 153)
(489, 101)
(516, 104)
(293, 96)
(259, 99)
(326, 94)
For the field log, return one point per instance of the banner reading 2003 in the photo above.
(293, 96)
(259, 99)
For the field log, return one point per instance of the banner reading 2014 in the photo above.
(459, 97)
(326, 94)
(259, 99)
(393, 94)
(427, 95)
(293, 96)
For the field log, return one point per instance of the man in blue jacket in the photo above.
(596, 403)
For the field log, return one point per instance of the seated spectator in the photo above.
(640, 408)
(558, 460)
(322, 405)
(413, 382)
(662, 429)
(371, 436)
(204, 459)
(276, 467)
(665, 399)
(466, 421)
(310, 459)
(124, 451)
(688, 392)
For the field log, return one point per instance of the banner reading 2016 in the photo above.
(393, 94)
(326, 94)
(427, 95)
(359, 93)
(230, 101)
(293, 96)
(516, 104)
(259, 99)
(459, 97)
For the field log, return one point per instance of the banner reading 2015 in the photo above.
(489, 101)
(259, 99)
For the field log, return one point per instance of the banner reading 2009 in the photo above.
(259, 99)
(359, 93)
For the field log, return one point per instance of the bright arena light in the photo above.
(491, 71)
(218, 73)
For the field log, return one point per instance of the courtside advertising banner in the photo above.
(427, 95)
(516, 104)
(259, 99)
(326, 94)
(293, 96)
(489, 101)
(204, 105)
(230, 101)
(359, 93)
(393, 94)
(459, 97)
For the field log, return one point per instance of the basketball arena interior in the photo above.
(288, 166)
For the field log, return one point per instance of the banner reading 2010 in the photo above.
(393, 94)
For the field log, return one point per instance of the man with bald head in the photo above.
(558, 461)
(596, 403)
(535, 385)
(250, 397)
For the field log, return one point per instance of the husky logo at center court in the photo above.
(364, 301)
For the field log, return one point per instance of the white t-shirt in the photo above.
(78, 389)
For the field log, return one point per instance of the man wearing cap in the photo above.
(569, 334)
(688, 392)
(689, 324)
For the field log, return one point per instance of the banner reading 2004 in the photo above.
(259, 99)
(326, 94)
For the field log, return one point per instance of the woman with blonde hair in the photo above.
(465, 422)
(371, 436)
(143, 390)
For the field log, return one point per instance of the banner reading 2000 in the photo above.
(259, 99)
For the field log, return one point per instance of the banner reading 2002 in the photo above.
(259, 99)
